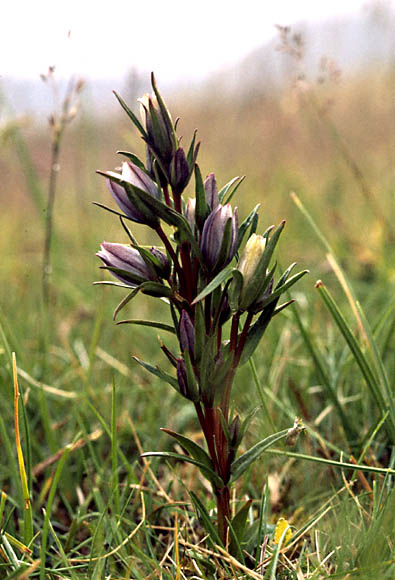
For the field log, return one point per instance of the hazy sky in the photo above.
(179, 39)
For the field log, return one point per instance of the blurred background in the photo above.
(297, 96)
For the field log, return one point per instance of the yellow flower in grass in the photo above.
(281, 526)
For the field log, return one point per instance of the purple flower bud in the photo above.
(159, 127)
(136, 177)
(179, 171)
(211, 189)
(218, 251)
(187, 333)
(182, 377)
(164, 269)
(126, 264)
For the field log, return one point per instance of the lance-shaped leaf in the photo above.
(244, 461)
(191, 447)
(237, 528)
(151, 323)
(221, 277)
(255, 333)
(229, 196)
(281, 289)
(134, 159)
(216, 481)
(132, 116)
(159, 373)
(205, 519)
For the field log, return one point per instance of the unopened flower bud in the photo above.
(187, 333)
(250, 266)
(179, 171)
(182, 377)
(218, 242)
(211, 189)
(159, 127)
(126, 264)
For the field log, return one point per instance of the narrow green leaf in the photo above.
(238, 525)
(134, 159)
(206, 471)
(245, 225)
(159, 373)
(221, 277)
(152, 323)
(125, 301)
(233, 191)
(256, 333)
(244, 461)
(201, 208)
(131, 116)
(359, 356)
(222, 192)
(191, 447)
(204, 517)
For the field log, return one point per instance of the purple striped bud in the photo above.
(211, 189)
(126, 264)
(218, 242)
(179, 171)
(187, 333)
(159, 127)
(135, 177)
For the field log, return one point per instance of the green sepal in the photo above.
(233, 191)
(201, 208)
(214, 479)
(159, 373)
(125, 301)
(132, 116)
(244, 461)
(221, 277)
(281, 289)
(134, 159)
(152, 323)
(237, 527)
(192, 384)
(193, 151)
(191, 447)
(205, 519)
(245, 225)
(224, 190)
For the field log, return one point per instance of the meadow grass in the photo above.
(86, 412)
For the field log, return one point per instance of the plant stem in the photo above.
(223, 512)
(54, 170)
